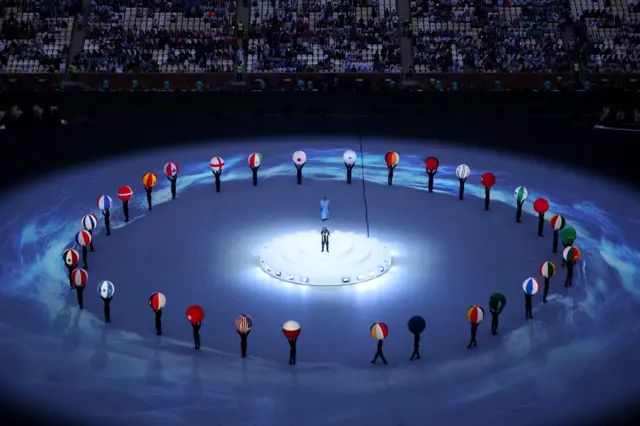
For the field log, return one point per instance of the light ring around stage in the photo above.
(352, 258)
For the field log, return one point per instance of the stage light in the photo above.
(305, 280)
(381, 269)
(268, 269)
(278, 273)
(372, 274)
(345, 280)
(360, 277)
(290, 277)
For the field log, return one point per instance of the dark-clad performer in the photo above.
(107, 220)
(125, 210)
(325, 238)
(292, 350)
(416, 347)
(527, 306)
(196, 334)
(84, 257)
(349, 171)
(243, 343)
(148, 190)
(79, 295)
(173, 180)
(299, 172)
(519, 210)
(495, 315)
(540, 224)
(216, 176)
(107, 308)
(431, 174)
(546, 290)
(159, 322)
(568, 282)
(474, 330)
(379, 354)
(487, 197)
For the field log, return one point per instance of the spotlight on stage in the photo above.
(352, 258)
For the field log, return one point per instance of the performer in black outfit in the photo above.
(431, 174)
(158, 322)
(474, 330)
(349, 169)
(527, 306)
(461, 194)
(148, 190)
(70, 268)
(325, 238)
(125, 209)
(216, 175)
(107, 220)
(487, 197)
(495, 314)
(379, 354)
(243, 342)
(173, 179)
(254, 173)
(568, 281)
(292, 351)
(546, 290)
(84, 257)
(416, 347)
(79, 295)
(90, 231)
(196, 334)
(299, 172)
(540, 224)
(519, 210)
(390, 177)
(107, 308)
(555, 240)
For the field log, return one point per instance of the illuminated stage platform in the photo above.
(352, 258)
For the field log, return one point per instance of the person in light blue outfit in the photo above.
(324, 209)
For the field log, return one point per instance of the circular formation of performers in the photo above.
(78, 277)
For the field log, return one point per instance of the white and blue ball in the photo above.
(106, 289)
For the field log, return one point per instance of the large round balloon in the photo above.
(475, 314)
(216, 164)
(125, 193)
(157, 301)
(255, 160)
(299, 158)
(531, 286)
(379, 331)
(571, 254)
(106, 289)
(557, 222)
(104, 202)
(170, 169)
(83, 238)
(349, 157)
(391, 158)
(291, 329)
(70, 257)
(79, 278)
(568, 235)
(463, 171)
(521, 193)
(89, 221)
(497, 301)
(431, 164)
(541, 205)
(417, 324)
(547, 269)
(488, 180)
(149, 180)
(195, 314)
(244, 323)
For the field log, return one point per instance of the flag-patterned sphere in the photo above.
(106, 289)
(291, 329)
(149, 180)
(125, 193)
(157, 301)
(568, 235)
(104, 202)
(216, 164)
(416, 324)
(79, 278)
(391, 158)
(463, 171)
(431, 164)
(195, 314)
(521, 193)
(349, 157)
(255, 160)
(541, 205)
(531, 286)
(557, 222)
(379, 331)
(89, 221)
(571, 254)
(70, 257)
(497, 301)
(488, 180)
(244, 323)
(299, 158)
(170, 169)
(83, 238)
(475, 314)
(547, 269)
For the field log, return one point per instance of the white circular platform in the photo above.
(352, 258)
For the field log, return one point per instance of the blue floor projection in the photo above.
(204, 248)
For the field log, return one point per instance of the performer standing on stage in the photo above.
(325, 238)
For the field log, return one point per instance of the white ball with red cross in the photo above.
(216, 164)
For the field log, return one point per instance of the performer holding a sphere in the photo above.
(530, 287)
(125, 193)
(106, 290)
(521, 193)
(475, 315)
(568, 236)
(244, 324)
(157, 301)
(541, 206)
(379, 331)
(392, 159)
(416, 324)
(299, 160)
(488, 180)
(324, 235)
(431, 164)
(255, 160)
(324, 209)
(83, 238)
(547, 270)
(71, 259)
(195, 315)
(462, 172)
(571, 255)
(217, 164)
(80, 278)
(104, 204)
(171, 171)
(349, 158)
(89, 223)
(149, 180)
(497, 302)
(291, 330)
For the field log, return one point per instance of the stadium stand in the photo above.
(34, 37)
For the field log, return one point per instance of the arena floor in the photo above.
(204, 248)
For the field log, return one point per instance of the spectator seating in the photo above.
(147, 39)
(31, 43)
(469, 36)
(324, 36)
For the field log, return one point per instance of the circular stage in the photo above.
(351, 259)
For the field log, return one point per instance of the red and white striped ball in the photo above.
(83, 238)
(379, 331)
(79, 277)
(89, 221)
(171, 169)
(157, 301)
